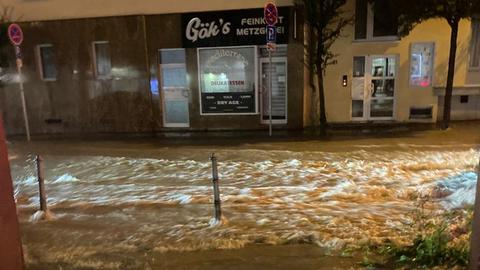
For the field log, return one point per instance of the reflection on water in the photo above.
(126, 207)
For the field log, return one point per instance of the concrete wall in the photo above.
(38, 10)
(80, 101)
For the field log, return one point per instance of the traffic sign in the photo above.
(271, 34)
(271, 47)
(270, 13)
(15, 34)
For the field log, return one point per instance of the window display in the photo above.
(227, 79)
(421, 64)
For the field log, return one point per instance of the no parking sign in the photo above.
(15, 34)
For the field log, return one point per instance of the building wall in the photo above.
(338, 98)
(158, 39)
(77, 101)
(38, 10)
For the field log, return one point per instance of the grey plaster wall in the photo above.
(78, 102)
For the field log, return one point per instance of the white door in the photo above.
(279, 90)
(373, 87)
(175, 95)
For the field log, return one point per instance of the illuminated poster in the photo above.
(227, 80)
(421, 64)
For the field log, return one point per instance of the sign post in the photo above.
(15, 34)
(271, 18)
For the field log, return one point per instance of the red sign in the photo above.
(270, 13)
(15, 34)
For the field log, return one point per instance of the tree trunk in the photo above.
(321, 89)
(321, 100)
(311, 70)
(451, 72)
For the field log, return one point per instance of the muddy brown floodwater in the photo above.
(148, 204)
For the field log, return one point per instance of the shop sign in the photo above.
(231, 28)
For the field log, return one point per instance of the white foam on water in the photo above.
(65, 178)
(42, 216)
(275, 197)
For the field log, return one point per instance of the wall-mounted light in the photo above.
(344, 81)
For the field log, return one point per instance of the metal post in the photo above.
(270, 92)
(11, 254)
(41, 184)
(216, 189)
(475, 238)
(22, 96)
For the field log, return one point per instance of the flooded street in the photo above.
(146, 204)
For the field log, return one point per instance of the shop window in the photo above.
(475, 45)
(46, 62)
(463, 99)
(375, 21)
(102, 60)
(227, 78)
(421, 64)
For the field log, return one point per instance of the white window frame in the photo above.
(94, 55)
(38, 53)
(370, 22)
(280, 59)
(256, 80)
(434, 52)
(161, 88)
(475, 37)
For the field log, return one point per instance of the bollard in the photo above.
(475, 237)
(216, 189)
(41, 184)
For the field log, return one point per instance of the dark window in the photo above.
(385, 22)
(358, 66)
(361, 19)
(421, 113)
(47, 62)
(357, 108)
(463, 99)
(103, 65)
(475, 44)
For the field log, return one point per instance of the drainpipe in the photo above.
(147, 66)
(11, 254)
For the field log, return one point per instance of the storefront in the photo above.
(219, 78)
(159, 72)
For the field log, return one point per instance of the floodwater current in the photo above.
(116, 204)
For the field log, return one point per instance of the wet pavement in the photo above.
(147, 204)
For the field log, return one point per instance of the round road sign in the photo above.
(270, 13)
(15, 34)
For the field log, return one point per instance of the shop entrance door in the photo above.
(279, 90)
(174, 93)
(373, 87)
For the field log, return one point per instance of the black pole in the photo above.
(41, 184)
(216, 189)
